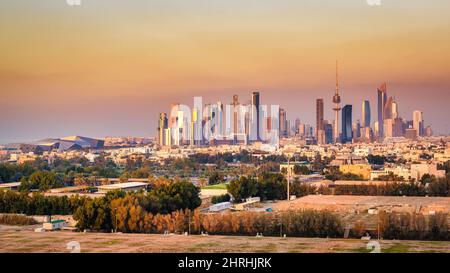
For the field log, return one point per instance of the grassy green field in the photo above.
(215, 187)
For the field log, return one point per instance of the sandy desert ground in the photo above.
(25, 240)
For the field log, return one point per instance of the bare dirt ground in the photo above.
(25, 240)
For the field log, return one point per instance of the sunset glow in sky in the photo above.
(108, 67)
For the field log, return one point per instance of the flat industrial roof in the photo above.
(122, 185)
(57, 221)
(9, 185)
(68, 189)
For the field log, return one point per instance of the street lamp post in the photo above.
(189, 222)
(289, 177)
(378, 225)
(115, 218)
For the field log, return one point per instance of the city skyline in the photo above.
(89, 75)
(237, 122)
(247, 98)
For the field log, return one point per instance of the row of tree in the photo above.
(42, 181)
(38, 204)
(220, 198)
(14, 172)
(165, 198)
(295, 223)
(130, 216)
(244, 157)
(41, 175)
(323, 224)
(436, 187)
(267, 186)
(414, 226)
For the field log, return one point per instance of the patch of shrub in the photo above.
(16, 220)
(220, 198)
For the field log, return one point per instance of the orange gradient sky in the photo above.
(108, 67)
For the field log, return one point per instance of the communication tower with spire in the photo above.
(337, 107)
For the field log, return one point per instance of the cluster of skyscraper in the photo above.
(215, 124)
(236, 123)
(389, 123)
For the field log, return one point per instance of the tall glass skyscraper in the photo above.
(235, 104)
(347, 134)
(328, 128)
(382, 98)
(283, 123)
(162, 126)
(366, 114)
(255, 114)
(388, 106)
(418, 122)
(319, 117)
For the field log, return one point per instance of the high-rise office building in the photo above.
(175, 125)
(219, 119)
(328, 131)
(418, 122)
(347, 124)
(288, 128)
(283, 123)
(297, 126)
(388, 127)
(319, 117)
(428, 131)
(376, 128)
(173, 114)
(247, 120)
(235, 105)
(357, 129)
(321, 138)
(269, 124)
(367, 134)
(255, 115)
(208, 120)
(180, 133)
(388, 108)
(162, 126)
(398, 127)
(302, 130)
(382, 98)
(394, 109)
(168, 137)
(196, 134)
(366, 114)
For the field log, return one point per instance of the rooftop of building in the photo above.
(123, 185)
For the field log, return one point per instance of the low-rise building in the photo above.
(398, 171)
(129, 186)
(220, 207)
(348, 159)
(10, 186)
(362, 170)
(418, 170)
(54, 225)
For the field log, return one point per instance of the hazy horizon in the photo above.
(108, 68)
